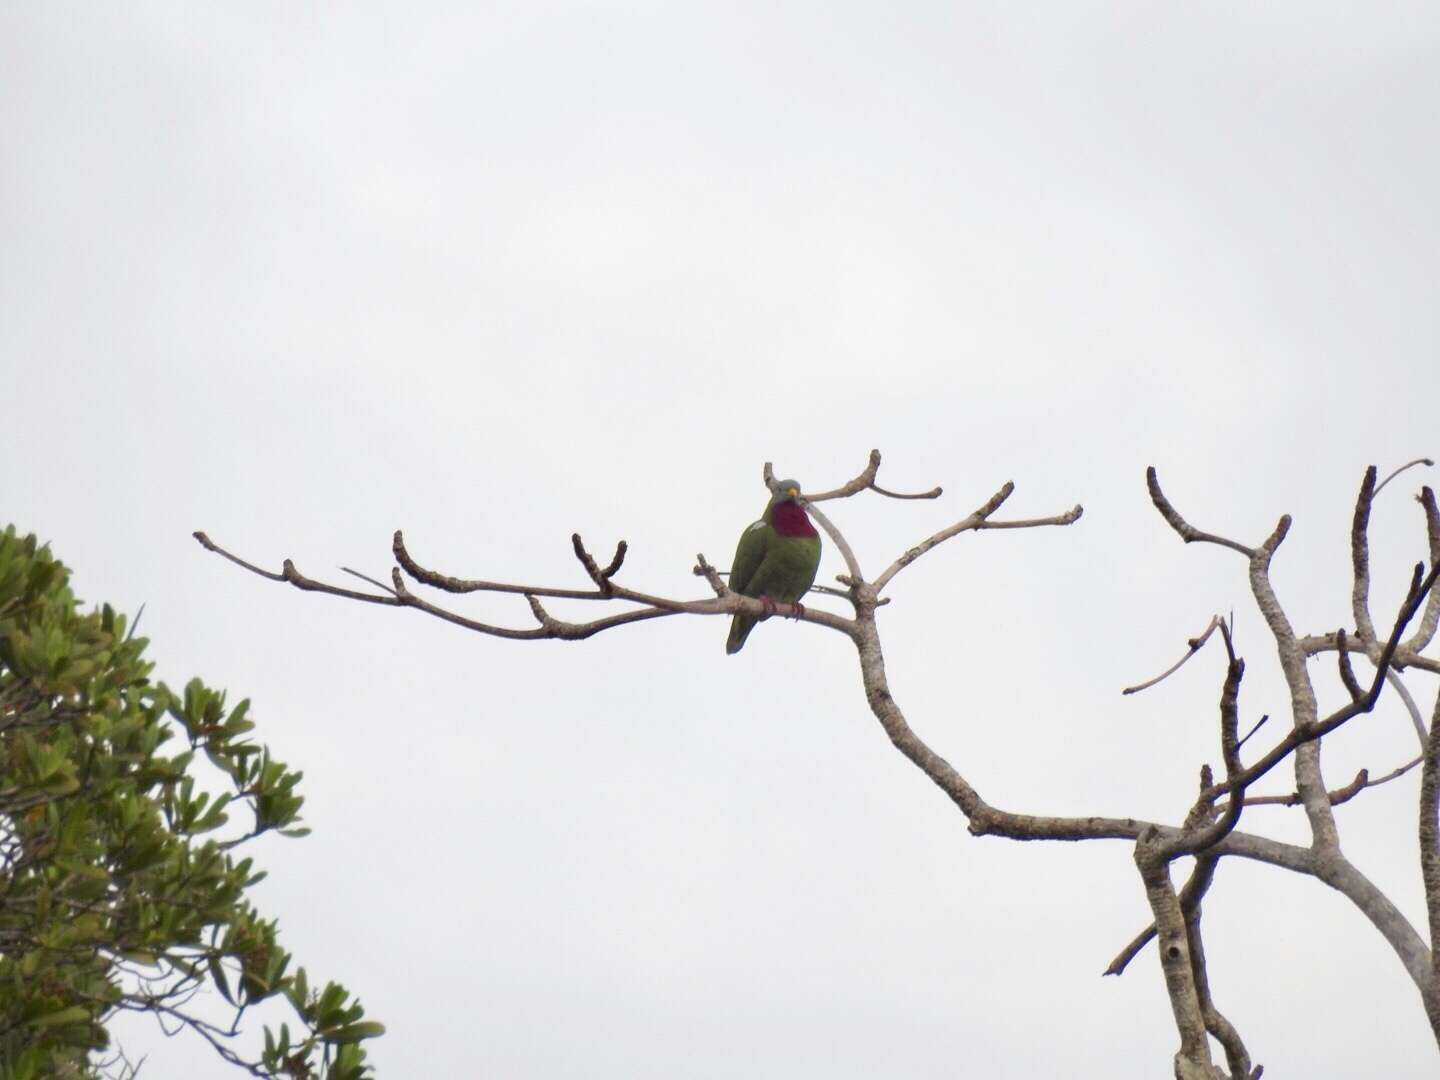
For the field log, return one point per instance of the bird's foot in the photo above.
(797, 610)
(768, 605)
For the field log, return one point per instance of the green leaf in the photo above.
(217, 973)
(75, 1014)
(366, 1029)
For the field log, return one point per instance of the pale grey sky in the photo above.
(495, 273)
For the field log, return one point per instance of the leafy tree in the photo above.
(120, 886)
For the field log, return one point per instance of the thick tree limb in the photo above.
(1429, 837)
(1237, 1057)
(1195, 887)
(1303, 708)
(1176, 963)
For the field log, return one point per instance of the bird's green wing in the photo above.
(749, 554)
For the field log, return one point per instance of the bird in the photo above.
(775, 560)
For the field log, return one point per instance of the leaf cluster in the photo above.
(121, 883)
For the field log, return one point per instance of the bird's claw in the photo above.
(797, 609)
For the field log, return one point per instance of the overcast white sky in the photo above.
(497, 272)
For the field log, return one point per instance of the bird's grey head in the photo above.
(785, 491)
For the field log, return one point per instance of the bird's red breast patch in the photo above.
(790, 520)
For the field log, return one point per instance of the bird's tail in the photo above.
(740, 627)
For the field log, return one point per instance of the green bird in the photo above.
(776, 559)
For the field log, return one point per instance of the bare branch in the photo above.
(1429, 835)
(1360, 558)
(306, 584)
(548, 628)
(1408, 465)
(1191, 892)
(1258, 725)
(1176, 962)
(1312, 730)
(841, 544)
(977, 520)
(1404, 658)
(449, 584)
(711, 575)
(600, 577)
(1425, 632)
(653, 607)
(1069, 517)
(933, 493)
(1187, 532)
(1404, 691)
(210, 545)
(1338, 795)
(1236, 1056)
(1347, 672)
(1192, 896)
(1193, 841)
(368, 580)
(1303, 707)
(1194, 644)
(861, 482)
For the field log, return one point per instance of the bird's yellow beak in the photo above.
(792, 492)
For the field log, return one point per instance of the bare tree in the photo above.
(1210, 829)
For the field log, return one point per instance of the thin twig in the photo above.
(368, 580)
(710, 574)
(933, 493)
(1414, 710)
(1338, 795)
(210, 545)
(841, 544)
(1194, 644)
(1069, 517)
(1258, 725)
(1408, 465)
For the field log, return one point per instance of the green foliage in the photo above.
(119, 888)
